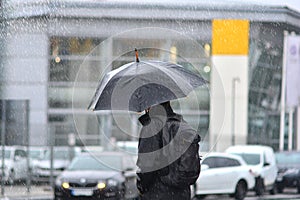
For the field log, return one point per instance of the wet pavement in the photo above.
(289, 194)
(18, 192)
(44, 192)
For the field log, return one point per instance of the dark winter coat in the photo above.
(151, 161)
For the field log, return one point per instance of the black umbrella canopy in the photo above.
(137, 86)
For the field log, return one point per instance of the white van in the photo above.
(263, 164)
(15, 163)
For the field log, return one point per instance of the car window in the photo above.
(250, 158)
(35, 154)
(20, 153)
(228, 162)
(6, 154)
(288, 158)
(57, 154)
(217, 162)
(211, 162)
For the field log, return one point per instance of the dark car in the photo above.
(289, 170)
(102, 175)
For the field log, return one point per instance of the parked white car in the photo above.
(62, 157)
(15, 163)
(263, 162)
(223, 173)
(36, 153)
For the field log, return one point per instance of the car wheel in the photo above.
(280, 188)
(298, 187)
(199, 197)
(273, 191)
(259, 186)
(240, 190)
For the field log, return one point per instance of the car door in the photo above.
(221, 175)
(227, 178)
(207, 179)
(269, 168)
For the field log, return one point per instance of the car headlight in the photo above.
(101, 185)
(65, 185)
(112, 182)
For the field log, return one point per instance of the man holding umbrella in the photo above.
(161, 155)
(168, 157)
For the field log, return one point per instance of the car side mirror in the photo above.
(266, 164)
(128, 169)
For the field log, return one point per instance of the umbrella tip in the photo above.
(136, 55)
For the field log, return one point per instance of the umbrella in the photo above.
(138, 85)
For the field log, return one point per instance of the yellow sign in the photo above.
(230, 37)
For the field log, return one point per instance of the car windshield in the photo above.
(250, 158)
(6, 154)
(57, 155)
(288, 158)
(129, 149)
(35, 154)
(102, 163)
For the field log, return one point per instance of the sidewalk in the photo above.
(20, 192)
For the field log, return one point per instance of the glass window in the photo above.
(229, 162)
(250, 158)
(212, 162)
(217, 162)
(264, 90)
(35, 154)
(58, 154)
(288, 158)
(101, 163)
(61, 46)
(20, 153)
(7, 154)
(76, 65)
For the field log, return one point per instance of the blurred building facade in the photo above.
(53, 54)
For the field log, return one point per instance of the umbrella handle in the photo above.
(136, 55)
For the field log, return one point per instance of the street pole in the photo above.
(3, 144)
(283, 88)
(234, 81)
(52, 138)
(3, 124)
(290, 134)
(297, 132)
(28, 180)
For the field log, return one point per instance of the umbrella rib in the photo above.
(103, 83)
